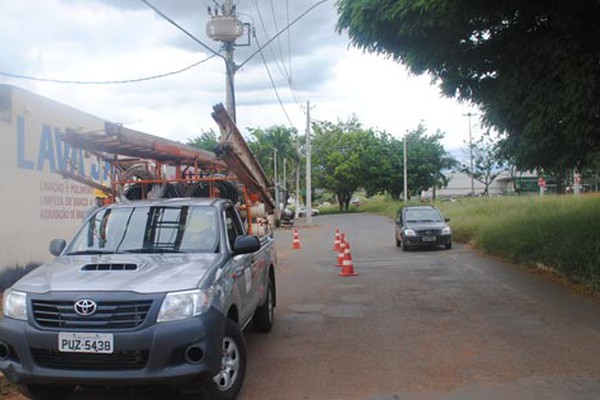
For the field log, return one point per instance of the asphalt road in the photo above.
(431, 324)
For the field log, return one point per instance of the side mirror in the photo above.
(57, 246)
(399, 221)
(447, 219)
(246, 244)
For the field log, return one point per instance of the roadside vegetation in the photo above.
(556, 232)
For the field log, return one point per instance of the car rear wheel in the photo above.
(265, 314)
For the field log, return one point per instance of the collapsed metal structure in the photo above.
(142, 166)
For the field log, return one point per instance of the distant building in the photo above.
(460, 185)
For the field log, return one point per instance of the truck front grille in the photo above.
(121, 360)
(108, 315)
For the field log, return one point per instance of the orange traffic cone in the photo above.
(336, 242)
(347, 265)
(341, 254)
(296, 243)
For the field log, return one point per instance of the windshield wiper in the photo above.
(151, 250)
(89, 252)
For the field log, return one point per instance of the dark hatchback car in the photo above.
(422, 226)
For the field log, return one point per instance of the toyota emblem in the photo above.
(85, 307)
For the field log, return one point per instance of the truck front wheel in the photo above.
(228, 382)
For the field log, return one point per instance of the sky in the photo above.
(114, 40)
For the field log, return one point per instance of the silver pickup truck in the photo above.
(147, 293)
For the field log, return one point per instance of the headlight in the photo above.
(446, 231)
(184, 305)
(15, 305)
(409, 232)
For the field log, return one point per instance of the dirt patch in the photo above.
(8, 391)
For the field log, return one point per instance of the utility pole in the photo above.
(226, 28)
(230, 81)
(284, 174)
(405, 196)
(469, 114)
(297, 197)
(275, 181)
(284, 184)
(308, 168)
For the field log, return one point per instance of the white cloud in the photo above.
(116, 40)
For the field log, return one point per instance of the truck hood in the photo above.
(145, 274)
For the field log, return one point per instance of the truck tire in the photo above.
(226, 385)
(46, 392)
(265, 314)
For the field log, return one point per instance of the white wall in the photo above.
(36, 203)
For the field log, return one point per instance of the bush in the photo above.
(561, 233)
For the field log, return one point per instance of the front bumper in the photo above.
(154, 354)
(427, 240)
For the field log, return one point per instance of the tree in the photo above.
(487, 161)
(426, 159)
(387, 169)
(206, 141)
(277, 141)
(343, 157)
(348, 157)
(531, 66)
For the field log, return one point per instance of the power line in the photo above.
(278, 40)
(285, 72)
(272, 81)
(195, 39)
(280, 65)
(112, 82)
(287, 12)
(288, 26)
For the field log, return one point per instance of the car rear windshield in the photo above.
(149, 229)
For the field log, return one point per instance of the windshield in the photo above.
(149, 230)
(423, 215)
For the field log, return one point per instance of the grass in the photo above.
(559, 232)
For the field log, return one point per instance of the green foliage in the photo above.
(344, 157)
(532, 67)
(206, 141)
(281, 140)
(426, 159)
(558, 232)
(348, 157)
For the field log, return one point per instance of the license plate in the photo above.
(97, 343)
(429, 238)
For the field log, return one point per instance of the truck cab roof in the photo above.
(173, 202)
